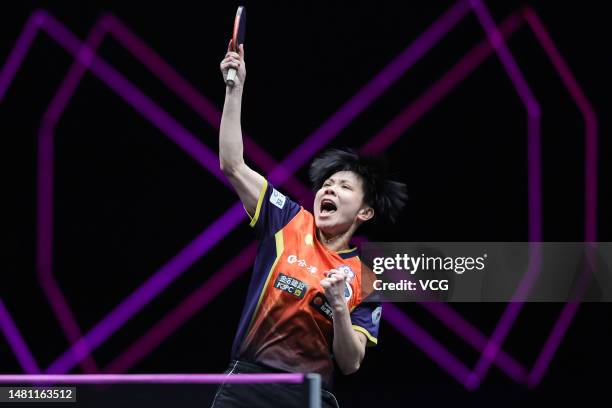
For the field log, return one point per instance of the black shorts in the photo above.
(267, 395)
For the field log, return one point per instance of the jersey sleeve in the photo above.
(365, 319)
(274, 210)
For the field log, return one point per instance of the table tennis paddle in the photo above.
(237, 39)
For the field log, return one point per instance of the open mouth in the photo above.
(328, 207)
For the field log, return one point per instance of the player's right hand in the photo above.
(236, 61)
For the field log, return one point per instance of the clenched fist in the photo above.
(333, 284)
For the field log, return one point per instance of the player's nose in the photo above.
(329, 190)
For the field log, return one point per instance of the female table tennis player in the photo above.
(304, 310)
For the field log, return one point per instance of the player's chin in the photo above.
(327, 225)
(323, 223)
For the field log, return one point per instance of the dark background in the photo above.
(127, 199)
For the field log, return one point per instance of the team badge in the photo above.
(278, 199)
(348, 272)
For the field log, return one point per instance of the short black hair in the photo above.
(386, 197)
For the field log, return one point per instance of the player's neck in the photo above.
(337, 242)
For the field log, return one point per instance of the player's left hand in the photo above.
(333, 283)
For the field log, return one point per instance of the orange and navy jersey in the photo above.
(286, 322)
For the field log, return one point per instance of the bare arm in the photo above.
(349, 344)
(247, 182)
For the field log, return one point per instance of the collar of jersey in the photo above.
(348, 253)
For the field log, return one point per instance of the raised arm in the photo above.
(247, 182)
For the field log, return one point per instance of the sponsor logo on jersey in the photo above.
(293, 259)
(319, 303)
(291, 285)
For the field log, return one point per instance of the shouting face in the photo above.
(339, 203)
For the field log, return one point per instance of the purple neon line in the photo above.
(19, 51)
(17, 343)
(503, 327)
(65, 362)
(562, 323)
(197, 101)
(439, 90)
(289, 378)
(184, 311)
(474, 338)
(372, 90)
(591, 126)
(534, 189)
(533, 116)
(428, 344)
(46, 171)
(154, 285)
(589, 116)
(67, 322)
(136, 98)
(139, 101)
(552, 343)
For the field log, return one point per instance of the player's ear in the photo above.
(365, 213)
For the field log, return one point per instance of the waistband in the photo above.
(248, 367)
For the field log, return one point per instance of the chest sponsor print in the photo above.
(291, 285)
(293, 259)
